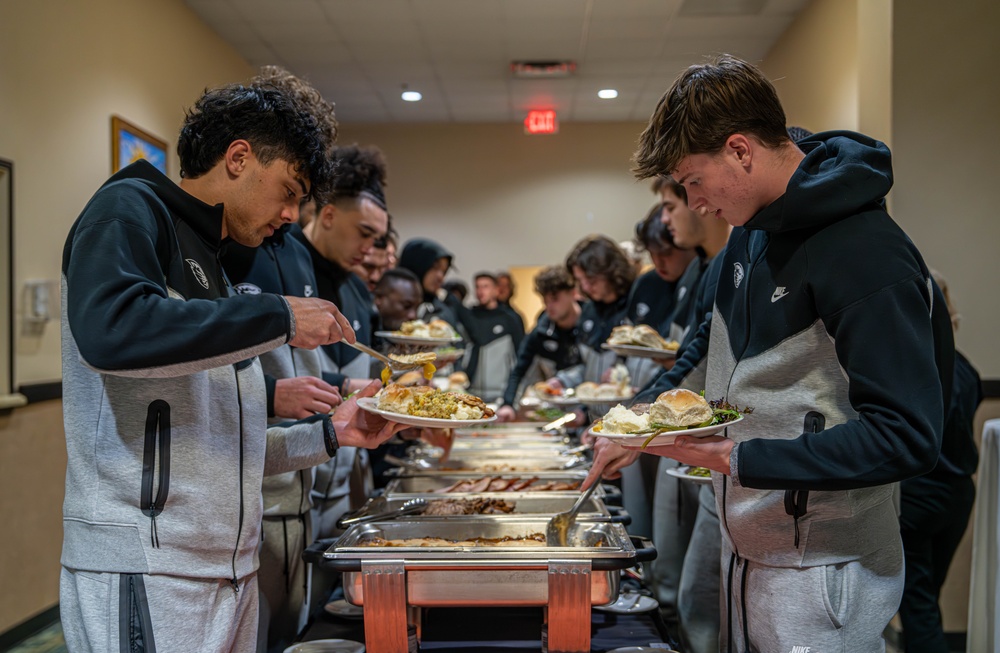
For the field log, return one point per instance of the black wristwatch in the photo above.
(330, 437)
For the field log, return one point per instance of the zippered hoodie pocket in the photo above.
(156, 443)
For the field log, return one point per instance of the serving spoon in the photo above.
(558, 527)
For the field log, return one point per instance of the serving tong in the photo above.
(557, 529)
(408, 507)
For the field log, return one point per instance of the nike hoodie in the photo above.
(826, 322)
(165, 416)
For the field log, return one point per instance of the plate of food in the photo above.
(418, 332)
(689, 473)
(588, 393)
(675, 412)
(428, 407)
(641, 341)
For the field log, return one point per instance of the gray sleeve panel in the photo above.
(294, 447)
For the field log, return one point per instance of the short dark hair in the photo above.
(456, 287)
(395, 275)
(485, 275)
(391, 236)
(360, 172)
(650, 232)
(305, 94)
(706, 105)
(675, 188)
(272, 121)
(553, 279)
(599, 255)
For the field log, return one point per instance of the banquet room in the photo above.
(494, 140)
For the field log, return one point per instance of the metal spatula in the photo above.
(558, 527)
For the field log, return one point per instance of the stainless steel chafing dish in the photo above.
(524, 505)
(490, 464)
(425, 483)
(484, 575)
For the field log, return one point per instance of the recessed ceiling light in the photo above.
(412, 96)
(607, 94)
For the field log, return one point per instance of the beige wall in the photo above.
(498, 198)
(945, 99)
(65, 67)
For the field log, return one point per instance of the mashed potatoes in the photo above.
(622, 420)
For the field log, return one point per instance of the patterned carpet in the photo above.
(49, 640)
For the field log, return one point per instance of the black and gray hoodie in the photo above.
(826, 323)
(165, 418)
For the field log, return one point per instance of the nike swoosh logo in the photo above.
(778, 294)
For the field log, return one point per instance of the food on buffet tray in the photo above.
(436, 328)
(534, 539)
(673, 410)
(703, 472)
(424, 401)
(477, 506)
(640, 335)
(544, 414)
(511, 484)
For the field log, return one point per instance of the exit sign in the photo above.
(541, 122)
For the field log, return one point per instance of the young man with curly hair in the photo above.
(164, 400)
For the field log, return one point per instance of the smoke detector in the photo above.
(542, 69)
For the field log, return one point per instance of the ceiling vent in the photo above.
(542, 69)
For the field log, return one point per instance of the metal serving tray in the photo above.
(491, 464)
(524, 506)
(481, 575)
(426, 483)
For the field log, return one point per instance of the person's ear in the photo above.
(740, 147)
(326, 216)
(237, 156)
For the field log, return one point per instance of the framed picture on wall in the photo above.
(129, 144)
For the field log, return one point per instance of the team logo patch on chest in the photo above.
(245, 289)
(199, 274)
(307, 291)
(550, 345)
(738, 274)
(497, 329)
(641, 309)
(588, 326)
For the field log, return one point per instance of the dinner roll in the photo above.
(679, 407)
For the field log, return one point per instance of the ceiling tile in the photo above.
(268, 10)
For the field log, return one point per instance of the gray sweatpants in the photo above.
(833, 609)
(142, 613)
(700, 585)
(675, 504)
(283, 579)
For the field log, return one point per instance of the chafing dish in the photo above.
(425, 483)
(490, 464)
(483, 575)
(533, 505)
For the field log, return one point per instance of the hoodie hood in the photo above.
(842, 173)
(204, 219)
(419, 255)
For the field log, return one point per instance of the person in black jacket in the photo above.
(552, 344)
(165, 423)
(494, 334)
(430, 262)
(604, 274)
(828, 324)
(935, 508)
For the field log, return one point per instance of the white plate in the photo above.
(327, 646)
(681, 472)
(628, 603)
(629, 439)
(371, 405)
(400, 339)
(341, 608)
(640, 352)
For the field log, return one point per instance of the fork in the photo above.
(392, 364)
